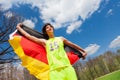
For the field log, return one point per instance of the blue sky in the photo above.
(92, 24)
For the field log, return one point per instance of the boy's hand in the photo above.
(84, 54)
(19, 25)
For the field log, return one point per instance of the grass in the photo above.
(111, 76)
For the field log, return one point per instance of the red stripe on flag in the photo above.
(72, 57)
(34, 50)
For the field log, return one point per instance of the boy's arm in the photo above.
(30, 37)
(74, 46)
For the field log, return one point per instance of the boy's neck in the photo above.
(51, 35)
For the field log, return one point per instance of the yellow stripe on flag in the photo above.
(36, 67)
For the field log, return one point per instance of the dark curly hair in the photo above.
(44, 30)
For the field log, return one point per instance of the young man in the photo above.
(60, 67)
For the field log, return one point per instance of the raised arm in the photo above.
(75, 46)
(30, 37)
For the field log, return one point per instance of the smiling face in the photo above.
(49, 29)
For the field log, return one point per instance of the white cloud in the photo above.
(7, 4)
(92, 48)
(61, 12)
(29, 23)
(72, 26)
(68, 11)
(115, 43)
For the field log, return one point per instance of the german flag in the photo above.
(34, 56)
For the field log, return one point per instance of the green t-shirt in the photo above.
(56, 54)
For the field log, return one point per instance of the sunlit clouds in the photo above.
(60, 13)
(92, 48)
(115, 43)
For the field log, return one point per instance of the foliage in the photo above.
(14, 71)
(111, 76)
(99, 66)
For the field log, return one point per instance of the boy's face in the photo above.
(49, 29)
